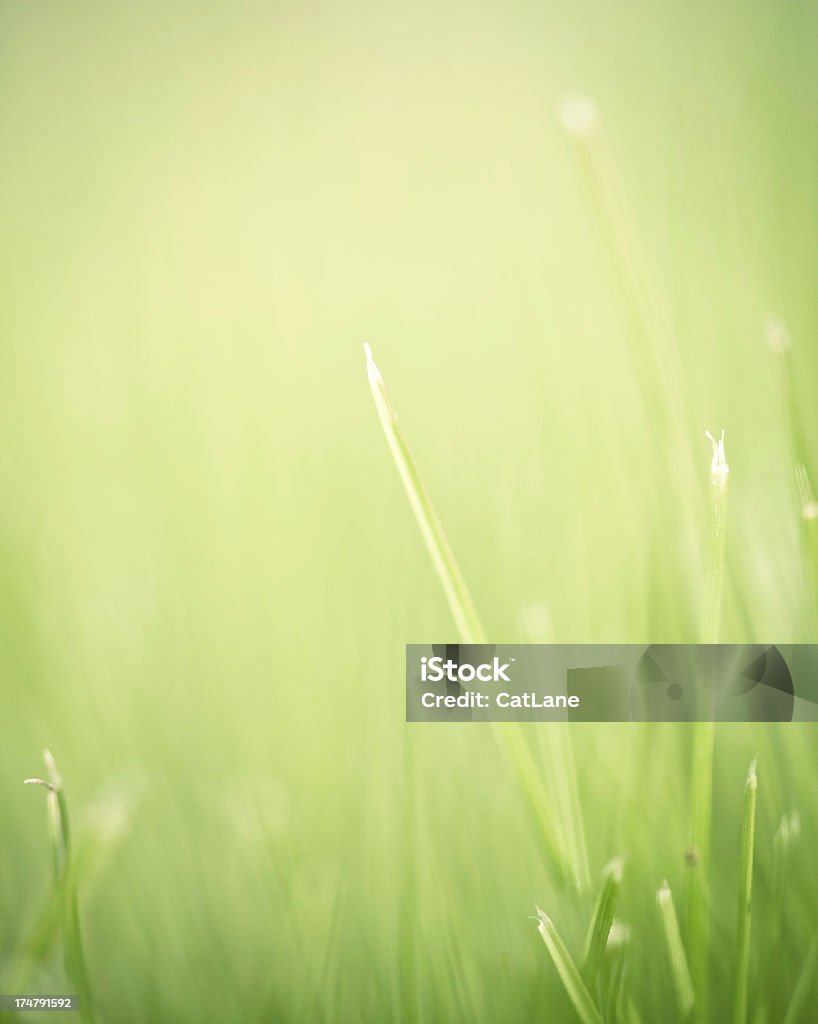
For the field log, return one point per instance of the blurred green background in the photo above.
(208, 569)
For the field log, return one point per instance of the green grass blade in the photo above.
(454, 586)
(64, 904)
(560, 763)
(748, 831)
(570, 976)
(530, 780)
(557, 749)
(803, 985)
(469, 627)
(701, 803)
(679, 969)
(698, 883)
(601, 921)
(715, 544)
(787, 834)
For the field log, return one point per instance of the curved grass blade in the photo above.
(570, 976)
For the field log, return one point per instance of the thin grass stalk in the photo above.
(602, 919)
(701, 804)
(557, 749)
(467, 621)
(613, 994)
(715, 544)
(65, 892)
(787, 834)
(803, 985)
(698, 859)
(748, 831)
(572, 982)
(679, 968)
(530, 780)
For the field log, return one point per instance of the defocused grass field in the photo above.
(208, 570)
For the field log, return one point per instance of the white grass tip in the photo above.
(778, 337)
(51, 765)
(372, 370)
(614, 869)
(579, 116)
(542, 918)
(618, 936)
(752, 773)
(718, 464)
(37, 782)
(663, 895)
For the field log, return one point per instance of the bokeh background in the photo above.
(208, 569)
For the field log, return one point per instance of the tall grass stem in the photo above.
(743, 930)
(679, 969)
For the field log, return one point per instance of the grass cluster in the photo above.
(599, 995)
(208, 572)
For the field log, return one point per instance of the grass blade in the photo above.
(803, 985)
(698, 858)
(613, 994)
(748, 831)
(601, 921)
(467, 621)
(530, 780)
(557, 750)
(680, 971)
(569, 974)
(65, 893)
(787, 834)
(457, 593)
(701, 804)
(715, 544)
